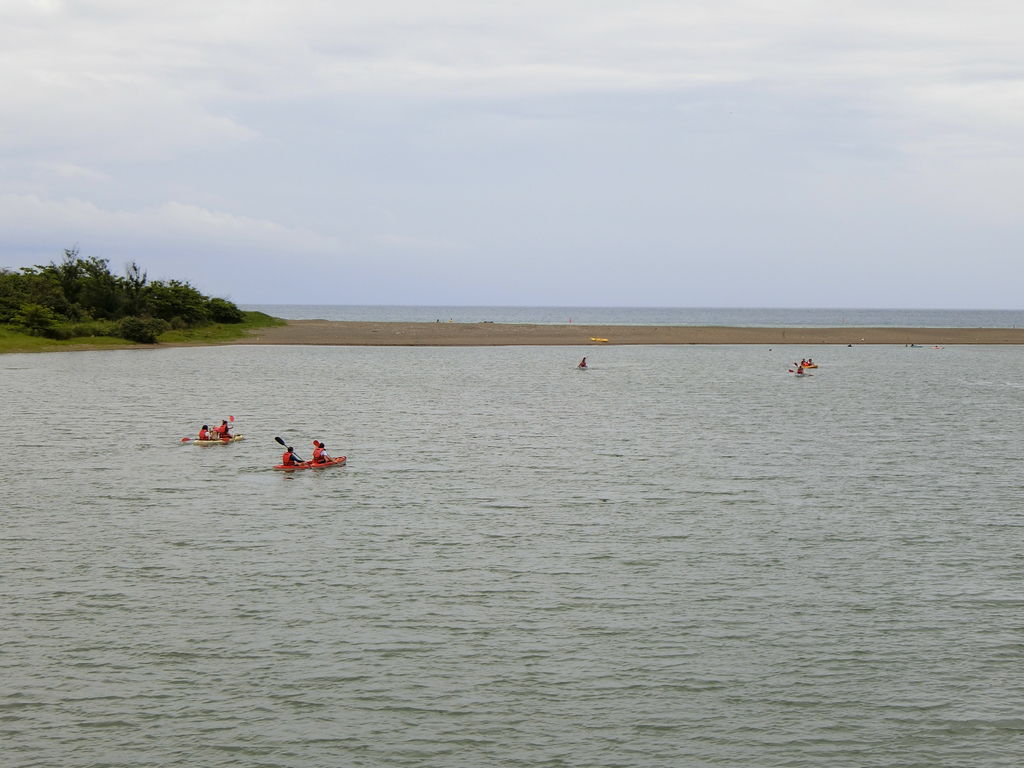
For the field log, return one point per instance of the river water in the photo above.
(684, 556)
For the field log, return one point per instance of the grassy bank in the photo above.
(215, 333)
(13, 339)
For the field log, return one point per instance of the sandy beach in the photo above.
(343, 333)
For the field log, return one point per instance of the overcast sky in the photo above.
(861, 153)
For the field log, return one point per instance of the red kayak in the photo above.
(340, 461)
(212, 441)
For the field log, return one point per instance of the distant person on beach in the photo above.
(583, 363)
(289, 459)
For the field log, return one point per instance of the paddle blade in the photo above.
(185, 439)
(282, 442)
(231, 419)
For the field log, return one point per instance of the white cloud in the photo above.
(168, 228)
(112, 78)
(249, 131)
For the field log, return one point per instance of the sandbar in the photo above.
(486, 334)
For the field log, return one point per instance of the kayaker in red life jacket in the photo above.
(289, 459)
(583, 363)
(204, 433)
(223, 430)
(320, 453)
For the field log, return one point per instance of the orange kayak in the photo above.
(310, 465)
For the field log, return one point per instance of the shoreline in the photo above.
(486, 334)
(351, 333)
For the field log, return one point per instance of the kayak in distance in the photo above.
(218, 441)
(338, 462)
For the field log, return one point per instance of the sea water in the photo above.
(734, 316)
(683, 556)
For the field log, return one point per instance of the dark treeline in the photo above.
(82, 297)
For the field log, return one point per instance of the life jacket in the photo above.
(286, 459)
(204, 434)
(318, 454)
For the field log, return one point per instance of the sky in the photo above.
(833, 153)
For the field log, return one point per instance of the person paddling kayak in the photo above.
(204, 433)
(320, 455)
(289, 459)
(223, 430)
(583, 363)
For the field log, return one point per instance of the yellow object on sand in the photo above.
(594, 338)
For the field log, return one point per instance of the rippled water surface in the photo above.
(683, 556)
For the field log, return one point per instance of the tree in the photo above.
(176, 299)
(224, 311)
(134, 283)
(37, 319)
(69, 275)
(102, 294)
(13, 293)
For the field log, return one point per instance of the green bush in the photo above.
(91, 328)
(37, 320)
(64, 298)
(224, 311)
(141, 329)
(175, 298)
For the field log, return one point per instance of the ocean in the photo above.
(683, 556)
(739, 317)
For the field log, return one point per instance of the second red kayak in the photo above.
(310, 465)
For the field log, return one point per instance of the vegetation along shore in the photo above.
(78, 303)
